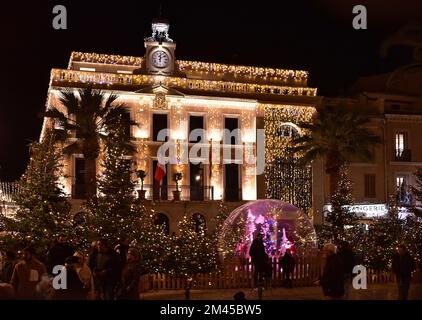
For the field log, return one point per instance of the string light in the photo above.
(61, 77)
(284, 178)
(104, 59)
(198, 66)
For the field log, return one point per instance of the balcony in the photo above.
(404, 155)
(187, 193)
(232, 195)
(165, 193)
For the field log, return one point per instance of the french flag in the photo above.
(160, 172)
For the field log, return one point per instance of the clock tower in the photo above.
(160, 48)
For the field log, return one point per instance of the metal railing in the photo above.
(7, 190)
(186, 192)
(232, 194)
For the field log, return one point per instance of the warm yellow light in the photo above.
(178, 134)
(141, 134)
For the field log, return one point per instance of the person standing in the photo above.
(85, 274)
(106, 271)
(8, 267)
(349, 261)
(403, 265)
(288, 266)
(129, 285)
(259, 259)
(27, 274)
(332, 279)
(58, 253)
(75, 289)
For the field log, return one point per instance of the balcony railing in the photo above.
(187, 193)
(8, 190)
(166, 193)
(403, 155)
(232, 195)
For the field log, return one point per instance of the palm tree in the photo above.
(91, 114)
(338, 135)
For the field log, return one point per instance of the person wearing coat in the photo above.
(349, 261)
(403, 265)
(106, 270)
(85, 275)
(259, 259)
(332, 279)
(27, 274)
(8, 266)
(58, 253)
(129, 284)
(75, 288)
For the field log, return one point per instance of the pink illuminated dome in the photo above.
(283, 226)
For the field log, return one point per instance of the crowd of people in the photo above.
(113, 272)
(337, 264)
(107, 273)
(263, 266)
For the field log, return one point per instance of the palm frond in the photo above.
(69, 100)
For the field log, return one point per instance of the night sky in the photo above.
(309, 35)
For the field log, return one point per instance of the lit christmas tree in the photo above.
(110, 213)
(229, 237)
(43, 212)
(193, 250)
(413, 236)
(342, 221)
(151, 240)
(384, 235)
(417, 191)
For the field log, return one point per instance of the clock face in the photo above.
(160, 59)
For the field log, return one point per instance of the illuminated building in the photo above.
(163, 92)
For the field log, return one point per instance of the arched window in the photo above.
(162, 219)
(199, 222)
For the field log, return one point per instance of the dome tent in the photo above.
(283, 226)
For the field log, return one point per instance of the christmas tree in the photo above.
(192, 249)
(412, 235)
(151, 240)
(43, 212)
(417, 191)
(384, 235)
(228, 237)
(110, 213)
(342, 221)
(192, 252)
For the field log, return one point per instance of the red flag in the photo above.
(160, 172)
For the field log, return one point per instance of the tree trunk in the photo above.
(90, 177)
